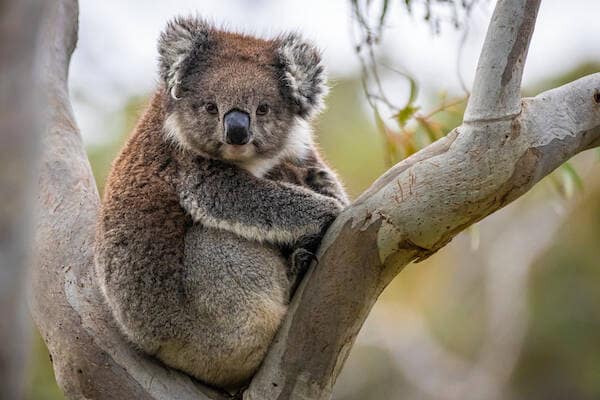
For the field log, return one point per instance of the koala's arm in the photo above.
(220, 195)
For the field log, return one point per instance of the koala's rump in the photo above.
(241, 297)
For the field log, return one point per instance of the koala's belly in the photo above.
(232, 271)
(239, 291)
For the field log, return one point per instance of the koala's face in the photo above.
(235, 97)
(234, 111)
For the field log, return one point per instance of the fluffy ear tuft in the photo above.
(303, 73)
(182, 38)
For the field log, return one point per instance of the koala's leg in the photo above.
(238, 295)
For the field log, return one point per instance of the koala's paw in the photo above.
(318, 178)
(304, 254)
(300, 261)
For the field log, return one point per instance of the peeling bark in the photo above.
(504, 147)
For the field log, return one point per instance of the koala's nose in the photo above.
(237, 127)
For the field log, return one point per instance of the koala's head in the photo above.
(236, 97)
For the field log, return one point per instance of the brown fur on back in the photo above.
(142, 218)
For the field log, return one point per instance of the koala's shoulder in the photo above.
(143, 175)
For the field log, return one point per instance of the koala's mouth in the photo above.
(234, 152)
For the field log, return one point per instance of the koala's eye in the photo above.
(262, 109)
(211, 108)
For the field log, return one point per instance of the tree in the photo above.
(505, 145)
(19, 131)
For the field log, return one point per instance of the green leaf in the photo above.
(414, 89)
(406, 114)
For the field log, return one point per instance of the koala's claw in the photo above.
(301, 259)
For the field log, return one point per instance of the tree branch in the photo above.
(497, 85)
(505, 146)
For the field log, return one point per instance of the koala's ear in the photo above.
(303, 73)
(184, 42)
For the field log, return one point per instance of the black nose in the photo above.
(237, 127)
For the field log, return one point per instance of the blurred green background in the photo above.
(508, 310)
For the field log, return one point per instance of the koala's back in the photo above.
(210, 311)
(140, 236)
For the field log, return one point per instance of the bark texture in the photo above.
(505, 146)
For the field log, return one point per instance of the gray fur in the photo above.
(241, 295)
(178, 43)
(304, 73)
(199, 247)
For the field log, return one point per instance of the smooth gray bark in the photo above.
(505, 146)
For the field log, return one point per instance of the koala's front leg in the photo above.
(223, 196)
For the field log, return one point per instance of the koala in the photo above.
(217, 202)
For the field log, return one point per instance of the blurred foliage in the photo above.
(372, 15)
(561, 356)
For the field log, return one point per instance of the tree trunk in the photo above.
(505, 145)
(19, 133)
